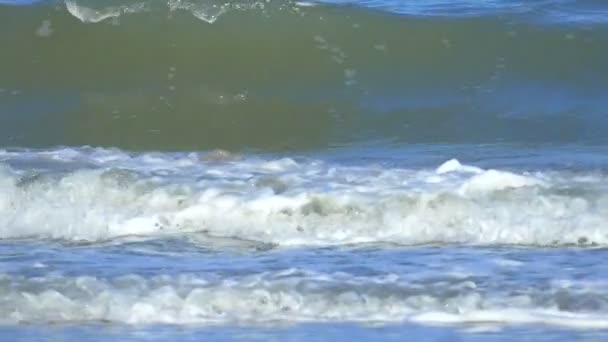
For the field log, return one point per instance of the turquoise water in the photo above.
(371, 170)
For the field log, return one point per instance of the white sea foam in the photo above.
(492, 180)
(285, 296)
(454, 165)
(102, 194)
(207, 11)
(90, 15)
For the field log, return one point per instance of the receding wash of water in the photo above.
(365, 170)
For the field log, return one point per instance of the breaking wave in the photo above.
(291, 296)
(289, 202)
(280, 75)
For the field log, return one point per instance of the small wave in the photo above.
(288, 296)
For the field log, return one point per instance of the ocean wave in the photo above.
(290, 296)
(280, 76)
(298, 203)
(562, 11)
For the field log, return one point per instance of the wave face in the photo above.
(107, 194)
(185, 75)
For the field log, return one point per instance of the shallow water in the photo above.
(291, 171)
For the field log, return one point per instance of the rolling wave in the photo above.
(292, 296)
(285, 76)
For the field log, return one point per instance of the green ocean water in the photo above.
(283, 76)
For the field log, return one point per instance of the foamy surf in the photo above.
(289, 296)
(104, 194)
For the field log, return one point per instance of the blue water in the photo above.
(497, 272)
